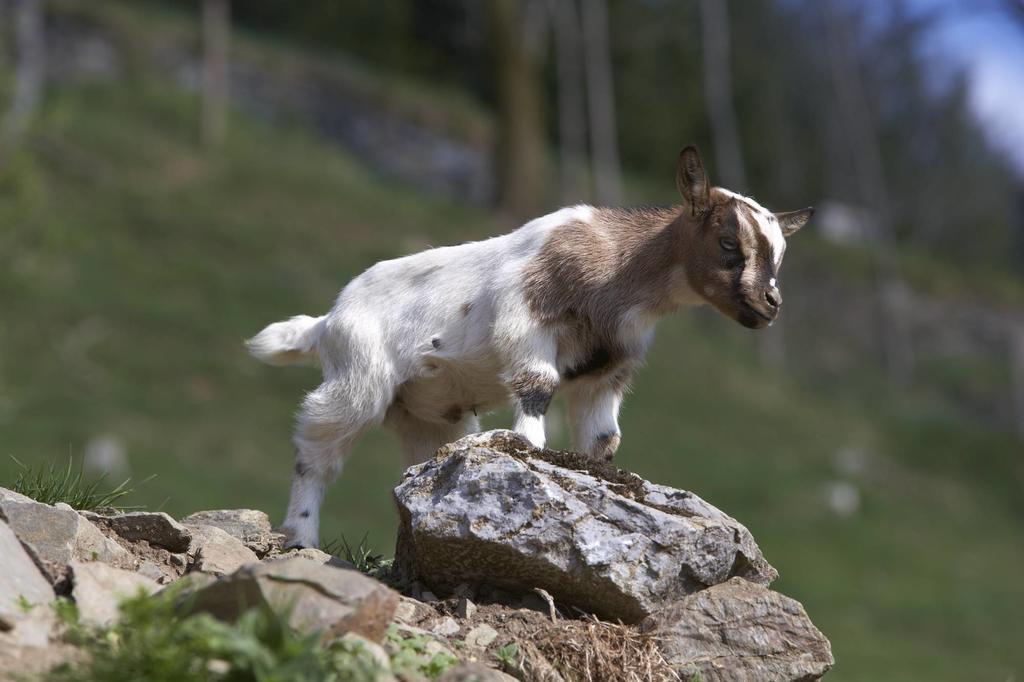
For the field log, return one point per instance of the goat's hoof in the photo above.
(292, 540)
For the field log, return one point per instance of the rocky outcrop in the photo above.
(510, 560)
(490, 509)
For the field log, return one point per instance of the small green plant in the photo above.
(509, 656)
(24, 605)
(361, 556)
(51, 484)
(417, 655)
(155, 642)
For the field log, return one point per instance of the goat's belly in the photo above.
(447, 397)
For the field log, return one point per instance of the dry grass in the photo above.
(590, 650)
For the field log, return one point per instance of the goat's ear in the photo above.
(692, 181)
(792, 221)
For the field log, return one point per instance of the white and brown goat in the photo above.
(567, 302)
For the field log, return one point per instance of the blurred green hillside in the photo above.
(133, 263)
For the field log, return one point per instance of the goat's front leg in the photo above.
(594, 418)
(532, 379)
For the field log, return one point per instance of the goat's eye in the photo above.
(728, 244)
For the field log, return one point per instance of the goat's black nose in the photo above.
(773, 297)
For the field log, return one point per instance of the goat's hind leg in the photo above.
(421, 439)
(331, 419)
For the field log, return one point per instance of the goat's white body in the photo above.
(425, 343)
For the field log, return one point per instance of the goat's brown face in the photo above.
(733, 248)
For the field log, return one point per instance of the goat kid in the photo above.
(567, 302)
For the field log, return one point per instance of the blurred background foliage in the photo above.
(175, 175)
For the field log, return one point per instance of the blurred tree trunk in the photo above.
(1016, 343)
(216, 35)
(718, 95)
(604, 145)
(31, 65)
(522, 167)
(571, 107)
(731, 169)
(859, 127)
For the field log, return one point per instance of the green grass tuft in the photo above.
(361, 556)
(153, 642)
(51, 484)
(509, 656)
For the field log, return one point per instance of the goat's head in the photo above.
(732, 247)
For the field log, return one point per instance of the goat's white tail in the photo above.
(290, 342)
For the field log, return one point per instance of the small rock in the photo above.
(315, 555)
(315, 598)
(59, 535)
(410, 611)
(156, 528)
(251, 526)
(481, 636)
(148, 569)
(25, 594)
(465, 609)
(446, 627)
(428, 596)
(214, 551)
(435, 647)
(98, 589)
(740, 630)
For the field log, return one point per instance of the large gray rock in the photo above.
(25, 594)
(99, 589)
(491, 509)
(250, 526)
(741, 631)
(59, 535)
(214, 551)
(315, 597)
(156, 528)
